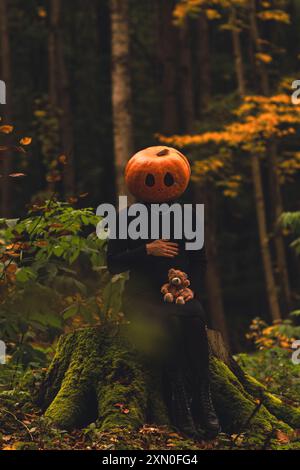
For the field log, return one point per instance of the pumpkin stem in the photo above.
(163, 152)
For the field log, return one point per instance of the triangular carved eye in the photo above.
(168, 179)
(150, 180)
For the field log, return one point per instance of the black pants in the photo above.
(182, 329)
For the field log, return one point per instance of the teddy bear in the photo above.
(177, 289)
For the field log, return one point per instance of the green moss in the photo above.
(235, 406)
(57, 369)
(74, 404)
(26, 446)
(97, 375)
(274, 404)
(122, 390)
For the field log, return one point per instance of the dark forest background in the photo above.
(66, 61)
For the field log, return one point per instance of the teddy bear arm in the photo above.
(188, 293)
(165, 289)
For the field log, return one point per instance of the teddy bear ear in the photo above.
(171, 271)
(187, 283)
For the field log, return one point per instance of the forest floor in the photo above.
(27, 430)
(22, 427)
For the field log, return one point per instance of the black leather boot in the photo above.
(180, 409)
(206, 412)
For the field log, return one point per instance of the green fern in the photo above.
(291, 221)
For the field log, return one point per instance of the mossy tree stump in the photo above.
(96, 375)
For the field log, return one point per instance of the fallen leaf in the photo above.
(17, 175)
(62, 159)
(6, 129)
(26, 141)
(282, 437)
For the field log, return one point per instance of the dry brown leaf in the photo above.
(26, 141)
(282, 437)
(6, 129)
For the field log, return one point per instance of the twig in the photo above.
(20, 422)
(268, 439)
(247, 422)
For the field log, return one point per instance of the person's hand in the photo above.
(162, 248)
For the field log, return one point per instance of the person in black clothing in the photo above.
(148, 262)
(186, 358)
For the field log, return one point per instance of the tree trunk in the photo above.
(264, 78)
(96, 375)
(213, 278)
(121, 90)
(52, 58)
(274, 188)
(237, 51)
(167, 56)
(203, 89)
(276, 212)
(7, 108)
(258, 191)
(187, 111)
(207, 195)
(59, 93)
(263, 238)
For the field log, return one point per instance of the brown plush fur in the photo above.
(177, 289)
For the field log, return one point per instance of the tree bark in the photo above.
(121, 90)
(186, 80)
(264, 240)
(237, 51)
(274, 187)
(264, 79)
(276, 212)
(166, 49)
(59, 93)
(258, 191)
(203, 83)
(96, 375)
(203, 193)
(6, 185)
(213, 279)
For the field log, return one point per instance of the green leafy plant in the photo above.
(291, 222)
(53, 277)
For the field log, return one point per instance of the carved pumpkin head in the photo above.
(157, 174)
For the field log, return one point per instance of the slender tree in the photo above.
(59, 93)
(213, 277)
(186, 88)
(260, 203)
(7, 108)
(203, 65)
(237, 51)
(167, 56)
(272, 161)
(121, 89)
(203, 192)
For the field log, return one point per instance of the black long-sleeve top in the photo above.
(147, 272)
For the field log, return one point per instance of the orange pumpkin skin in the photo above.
(157, 174)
